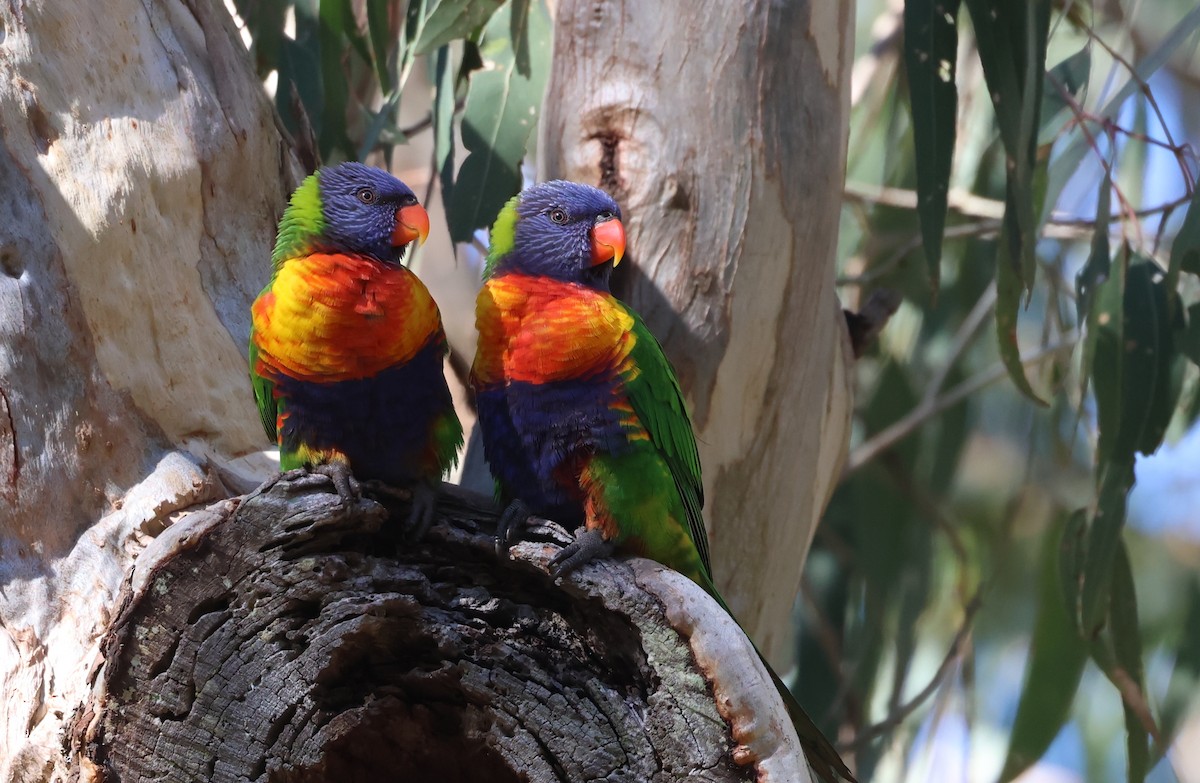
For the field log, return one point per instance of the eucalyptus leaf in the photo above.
(930, 52)
(449, 20)
(1056, 659)
(443, 121)
(1185, 250)
(1068, 79)
(1008, 304)
(501, 113)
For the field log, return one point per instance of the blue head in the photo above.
(366, 211)
(559, 229)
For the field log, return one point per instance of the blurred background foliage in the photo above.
(1005, 584)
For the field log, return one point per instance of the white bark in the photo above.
(721, 130)
(141, 173)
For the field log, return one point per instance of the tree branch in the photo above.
(289, 634)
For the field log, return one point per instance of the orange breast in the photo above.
(540, 330)
(329, 317)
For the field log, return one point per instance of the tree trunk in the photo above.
(290, 637)
(721, 130)
(141, 174)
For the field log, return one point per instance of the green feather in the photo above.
(302, 221)
(658, 402)
(503, 235)
(264, 394)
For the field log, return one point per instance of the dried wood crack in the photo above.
(294, 638)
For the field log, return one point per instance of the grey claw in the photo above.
(343, 480)
(587, 546)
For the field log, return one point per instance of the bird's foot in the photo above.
(343, 480)
(420, 517)
(587, 546)
(515, 517)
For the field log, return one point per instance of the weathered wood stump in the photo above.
(288, 636)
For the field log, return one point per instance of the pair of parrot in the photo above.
(582, 418)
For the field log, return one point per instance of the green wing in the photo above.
(264, 395)
(658, 402)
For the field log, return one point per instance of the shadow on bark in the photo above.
(286, 636)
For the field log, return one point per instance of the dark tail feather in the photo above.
(821, 755)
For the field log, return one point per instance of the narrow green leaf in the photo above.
(443, 121)
(519, 24)
(1068, 79)
(501, 112)
(1056, 660)
(1008, 303)
(265, 21)
(1095, 271)
(1011, 39)
(1185, 250)
(930, 52)
(1183, 688)
(1103, 540)
(1126, 638)
(1189, 339)
(448, 20)
(379, 29)
(1072, 554)
(331, 36)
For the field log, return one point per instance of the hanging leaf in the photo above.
(1056, 659)
(1067, 80)
(1136, 373)
(443, 121)
(449, 20)
(930, 51)
(1184, 685)
(501, 112)
(379, 29)
(519, 29)
(1072, 555)
(331, 35)
(1011, 39)
(1185, 250)
(1128, 672)
(1189, 339)
(1094, 272)
(1008, 303)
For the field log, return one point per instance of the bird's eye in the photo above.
(558, 216)
(408, 201)
(366, 195)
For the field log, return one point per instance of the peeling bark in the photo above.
(721, 130)
(288, 637)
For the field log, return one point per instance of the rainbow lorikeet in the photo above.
(346, 344)
(582, 418)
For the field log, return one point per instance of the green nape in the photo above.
(302, 220)
(503, 235)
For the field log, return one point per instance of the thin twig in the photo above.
(962, 340)
(426, 122)
(901, 429)
(974, 206)
(898, 716)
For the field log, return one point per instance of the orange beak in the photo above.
(412, 222)
(608, 241)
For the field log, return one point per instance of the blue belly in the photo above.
(537, 436)
(383, 424)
